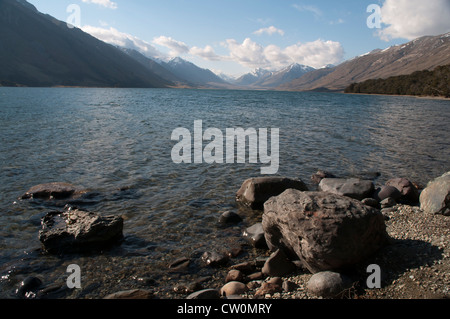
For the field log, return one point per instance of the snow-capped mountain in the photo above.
(261, 78)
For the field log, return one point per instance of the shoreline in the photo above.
(441, 98)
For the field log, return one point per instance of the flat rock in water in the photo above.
(74, 230)
(53, 191)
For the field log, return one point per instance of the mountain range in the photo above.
(264, 79)
(425, 53)
(39, 50)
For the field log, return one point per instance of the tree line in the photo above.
(420, 83)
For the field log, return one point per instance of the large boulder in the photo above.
(409, 192)
(53, 191)
(255, 191)
(325, 231)
(435, 198)
(353, 187)
(74, 230)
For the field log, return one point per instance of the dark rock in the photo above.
(205, 294)
(255, 276)
(135, 294)
(384, 192)
(289, 286)
(372, 202)
(328, 284)
(409, 192)
(317, 177)
(53, 191)
(255, 191)
(215, 259)
(255, 235)
(53, 291)
(325, 231)
(180, 264)
(73, 230)
(435, 198)
(353, 187)
(278, 265)
(28, 287)
(235, 251)
(245, 267)
(229, 218)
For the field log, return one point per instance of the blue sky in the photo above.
(236, 36)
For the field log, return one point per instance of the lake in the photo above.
(117, 144)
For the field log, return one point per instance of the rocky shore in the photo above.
(348, 238)
(406, 238)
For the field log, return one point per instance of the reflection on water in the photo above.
(117, 143)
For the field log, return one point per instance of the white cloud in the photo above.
(104, 3)
(315, 54)
(206, 53)
(248, 53)
(176, 47)
(410, 19)
(115, 37)
(308, 8)
(270, 31)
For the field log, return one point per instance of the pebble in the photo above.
(233, 288)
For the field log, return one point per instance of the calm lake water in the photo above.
(117, 143)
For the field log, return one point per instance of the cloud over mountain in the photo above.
(315, 54)
(410, 19)
(115, 37)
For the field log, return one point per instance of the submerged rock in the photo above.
(255, 235)
(255, 191)
(325, 231)
(53, 191)
(73, 230)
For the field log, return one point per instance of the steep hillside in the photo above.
(38, 50)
